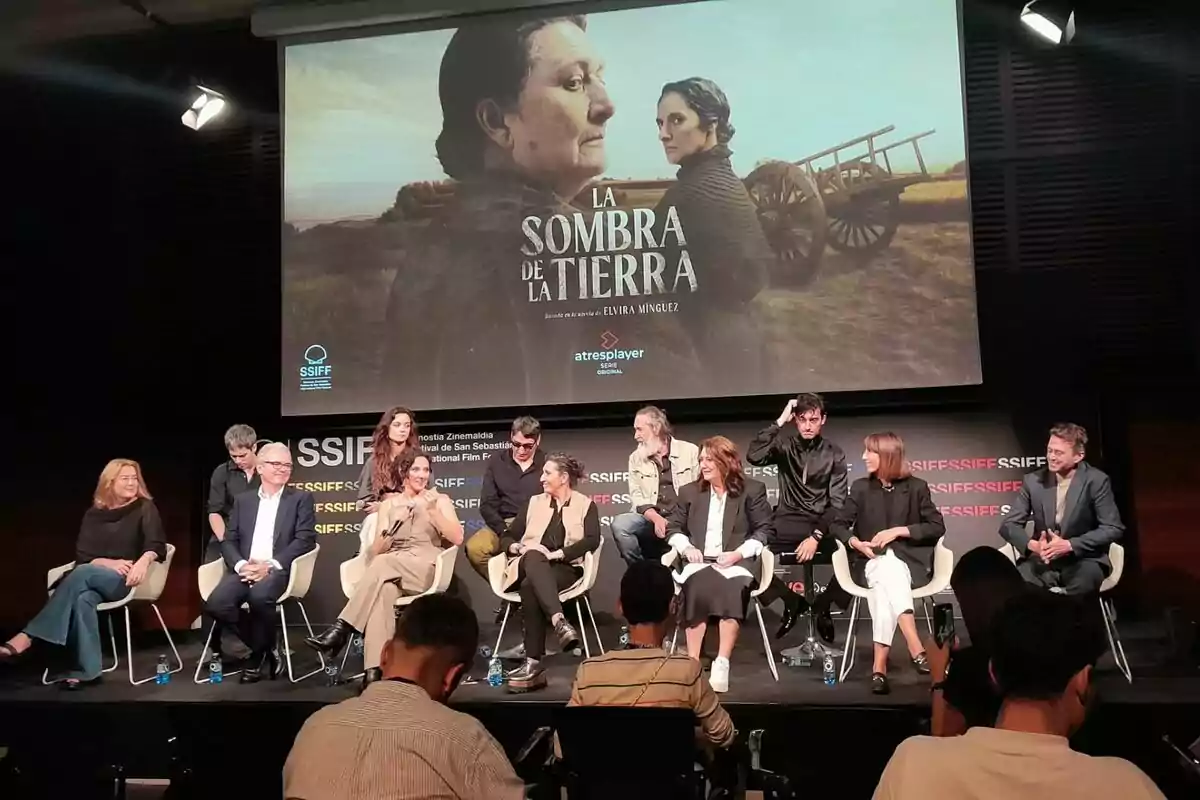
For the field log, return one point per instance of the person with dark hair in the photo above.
(395, 433)
(510, 478)
(890, 526)
(1075, 518)
(659, 467)
(231, 478)
(719, 527)
(545, 547)
(644, 674)
(524, 110)
(1044, 648)
(812, 488)
(725, 241)
(413, 527)
(398, 739)
(963, 695)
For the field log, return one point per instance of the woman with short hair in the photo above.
(120, 537)
(546, 545)
(891, 526)
(719, 528)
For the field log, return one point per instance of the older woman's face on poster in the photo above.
(680, 130)
(557, 128)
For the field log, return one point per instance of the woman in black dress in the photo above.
(891, 526)
(120, 537)
(725, 241)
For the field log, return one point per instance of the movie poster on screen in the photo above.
(626, 205)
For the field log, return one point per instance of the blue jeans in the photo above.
(69, 616)
(634, 537)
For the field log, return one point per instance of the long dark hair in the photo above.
(381, 447)
(484, 61)
(708, 101)
(729, 462)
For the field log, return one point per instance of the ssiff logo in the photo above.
(316, 374)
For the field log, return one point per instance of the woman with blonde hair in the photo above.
(120, 537)
(890, 525)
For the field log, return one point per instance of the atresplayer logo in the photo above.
(316, 374)
(610, 357)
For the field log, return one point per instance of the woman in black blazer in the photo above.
(891, 526)
(719, 527)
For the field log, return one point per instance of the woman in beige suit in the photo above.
(414, 526)
(546, 543)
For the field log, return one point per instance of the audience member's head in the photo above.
(434, 644)
(647, 590)
(984, 579)
(1044, 647)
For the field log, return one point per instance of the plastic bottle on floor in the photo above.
(216, 670)
(830, 674)
(162, 673)
(495, 675)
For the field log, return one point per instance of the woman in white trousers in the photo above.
(891, 526)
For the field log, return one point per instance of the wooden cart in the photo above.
(851, 204)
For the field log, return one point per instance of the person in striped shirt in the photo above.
(645, 674)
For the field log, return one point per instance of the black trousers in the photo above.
(790, 531)
(225, 603)
(1072, 575)
(540, 581)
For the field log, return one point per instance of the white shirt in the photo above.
(987, 763)
(714, 542)
(262, 545)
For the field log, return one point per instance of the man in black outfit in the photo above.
(812, 487)
(229, 479)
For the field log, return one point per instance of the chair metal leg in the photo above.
(851, 641)
(762, 627)
(202, 664)
(1114, 638)
(587, 652)
(112, 635)
(925, 604)
(588, 602)
(287, 649)
(503, 623)
(129, 646)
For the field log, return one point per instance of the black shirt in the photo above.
(227, 482)
(122, 533)
(507, 488)
(667, 497)
(812, 472)
(556, 532)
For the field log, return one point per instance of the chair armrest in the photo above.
(591, 566)
(766, 563)
(1116, 557)
(943, 566)
(301, 575)
(670, 557)
(443, 570)
(841, 568)
(151, 589)
(208, 576)
(55, 575)
(351, 572)
(366, 536)
(496, 565)
(1009, 551)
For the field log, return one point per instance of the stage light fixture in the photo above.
(1053, 20)
(206, 106)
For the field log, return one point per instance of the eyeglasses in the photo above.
(523, 445)
(279, 464)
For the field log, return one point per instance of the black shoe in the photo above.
(879, 684)
(265, 666)
(371, 675)
(921, 662)
(333, 640)
(794, 607)
(825, 627)
(529, 677)
(568, 637)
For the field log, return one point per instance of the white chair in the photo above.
(1116, 557)
(943, 566)
(766, 573)
(578, 593)
(147, 592)
(299, 581)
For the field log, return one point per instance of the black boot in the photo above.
(794, 607)
(333, 640)
(261, 666)
(822, 617)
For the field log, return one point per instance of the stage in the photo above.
(154, 731)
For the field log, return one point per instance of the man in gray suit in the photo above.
(1074, 516)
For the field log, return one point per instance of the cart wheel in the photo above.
(863, 221)
(792, 215)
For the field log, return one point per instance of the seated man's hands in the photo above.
(862, 547)
(693, 555)
(659, 522)
(1054, 546)
(254, 571)
(728, 559)
(806, 550)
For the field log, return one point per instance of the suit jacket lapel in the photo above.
(1073, 493)
(731, 509)
(279, 512)
(698, 522)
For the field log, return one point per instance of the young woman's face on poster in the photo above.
(680, 129)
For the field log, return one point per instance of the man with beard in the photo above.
(659, 467)
(812, 487)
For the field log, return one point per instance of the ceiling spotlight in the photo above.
(207, 105)
(1053, 20)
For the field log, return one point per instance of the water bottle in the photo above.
(624, 638)
(162, 673)
(830, 673)
(216, 670)
(495, 676)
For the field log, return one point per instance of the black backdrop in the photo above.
(140, 313)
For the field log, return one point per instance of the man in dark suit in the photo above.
(268, 529)
(1074, 516)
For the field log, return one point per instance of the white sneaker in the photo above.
(718, 675)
